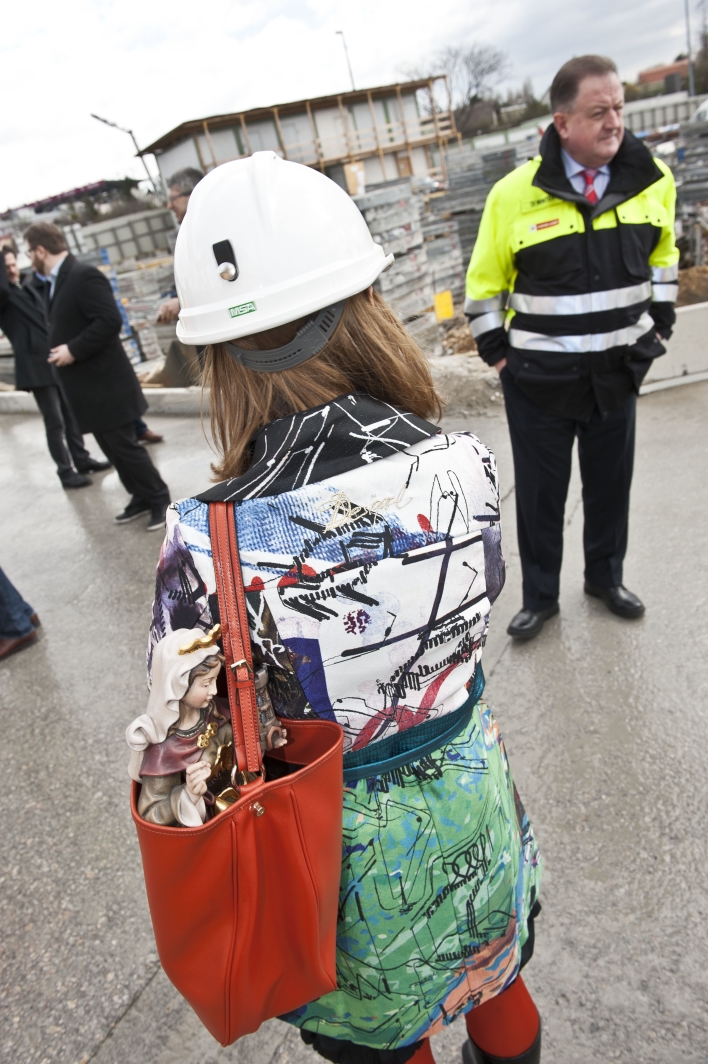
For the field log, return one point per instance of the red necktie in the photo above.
(589, 191)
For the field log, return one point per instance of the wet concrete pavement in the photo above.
(605, 722)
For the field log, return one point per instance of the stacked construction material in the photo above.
(690, 164)
(471, 174)
(470, 177)
(140, 292)
(393, 215)
(444, 251)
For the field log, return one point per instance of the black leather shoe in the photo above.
(157, 517)
(617, 599)
(135, 508)
(472, 1054)
(75, 480)
(94, 466)
(528, 623)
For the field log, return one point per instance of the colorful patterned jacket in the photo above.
(371, 553)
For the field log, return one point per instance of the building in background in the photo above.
(356, 138)
(669, 77)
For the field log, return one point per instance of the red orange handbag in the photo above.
(244, 907)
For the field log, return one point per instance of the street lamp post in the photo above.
(346, 52)
(130, 133)
(691, 75)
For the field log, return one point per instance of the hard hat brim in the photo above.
(254, 312)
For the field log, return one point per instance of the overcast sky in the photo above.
(150, 66)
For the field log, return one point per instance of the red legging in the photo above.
(506, 1026)
(424, 1055)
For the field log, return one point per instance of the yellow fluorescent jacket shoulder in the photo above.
(519, 216)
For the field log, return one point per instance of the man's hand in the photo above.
(61, 356)
(499, 366)
(169, 311)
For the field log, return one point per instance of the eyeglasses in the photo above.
(180, 195)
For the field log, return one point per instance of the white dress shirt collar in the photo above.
(53, 274)
(574, 171)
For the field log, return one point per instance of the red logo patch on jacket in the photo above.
(544, 225)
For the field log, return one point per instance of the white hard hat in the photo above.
(265, 242)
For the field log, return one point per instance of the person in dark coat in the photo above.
(84, 334)
(23, 320)
(183, 365)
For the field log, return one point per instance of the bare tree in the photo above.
(472, 71)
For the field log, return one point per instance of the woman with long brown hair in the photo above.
(370, 549)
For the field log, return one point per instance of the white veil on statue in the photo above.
(170, 679)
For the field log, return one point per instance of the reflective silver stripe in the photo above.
(664, 293)
(482, 306)
(528, 341)
(486, 322)
(588, 303)
(660, 274)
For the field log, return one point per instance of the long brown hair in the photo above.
(370, 352)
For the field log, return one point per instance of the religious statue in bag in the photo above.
(182, 747)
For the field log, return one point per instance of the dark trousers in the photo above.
(542, 445)
(64, 439)
(15, 613)
(133, 464)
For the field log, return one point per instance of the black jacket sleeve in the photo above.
(664, 317)
(97, 303)
(492, 345)
(4, 283)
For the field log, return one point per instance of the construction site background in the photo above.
(429, 222)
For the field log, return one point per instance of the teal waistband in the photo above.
(413, 743)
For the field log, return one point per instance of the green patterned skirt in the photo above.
(440, 871)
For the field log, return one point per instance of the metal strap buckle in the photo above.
(242, 664)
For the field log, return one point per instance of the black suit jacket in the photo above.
(101, 384)
(23, 320)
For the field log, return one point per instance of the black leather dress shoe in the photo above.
(472, 1054)
(94, 466)
(75, 480)
(617, 599)
(528, 623)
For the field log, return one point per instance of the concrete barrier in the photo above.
(182, 402)
(686, 358)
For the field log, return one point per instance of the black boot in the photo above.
(472, 1054)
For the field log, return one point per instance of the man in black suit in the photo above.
(84, 334)
(23, 320)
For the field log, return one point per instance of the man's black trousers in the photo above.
(542, 445)
(62, 430)
(133, 464)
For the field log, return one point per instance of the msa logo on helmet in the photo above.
(242, 308)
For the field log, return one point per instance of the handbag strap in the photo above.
(233, 613)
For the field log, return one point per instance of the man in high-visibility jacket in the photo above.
(570, 291)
